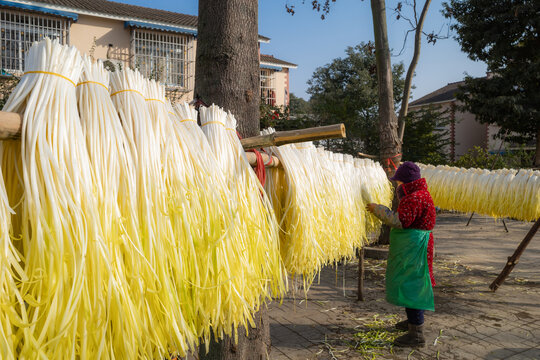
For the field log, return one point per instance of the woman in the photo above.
(409, 273)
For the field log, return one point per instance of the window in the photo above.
(164, 57)
(18, 30)
(268, 92)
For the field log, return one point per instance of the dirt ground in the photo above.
(470, 321)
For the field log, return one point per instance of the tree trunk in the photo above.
(227, 74)
(227, 61)
(410, 71)
(390, 145)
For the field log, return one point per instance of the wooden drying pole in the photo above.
(361, 274)
(10, 129)
(295, 136)
(513, 260)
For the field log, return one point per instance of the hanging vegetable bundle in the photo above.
(319, 199)
(375, 188)
(256, 240)
(114, 172)
(68, 287)
(498, 193)
(165, 291)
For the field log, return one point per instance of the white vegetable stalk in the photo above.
(215, 278)
(498, 193)
(198, 205)
(318, 198)
(10, 273)
(65, 258)
(256, 239)
(164, 318)
(115, 187)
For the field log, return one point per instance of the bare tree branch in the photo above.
(410, 71)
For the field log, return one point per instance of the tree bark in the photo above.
(227, 74)
(227, 60)
(390, 145)
(410, 71)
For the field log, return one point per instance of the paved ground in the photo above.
(470, 321)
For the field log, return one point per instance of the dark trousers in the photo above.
(414, 316)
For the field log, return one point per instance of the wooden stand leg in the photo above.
(504, 223)
(468, 222)
(361, 275)
(513, 260)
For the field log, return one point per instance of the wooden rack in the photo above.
(10, 129)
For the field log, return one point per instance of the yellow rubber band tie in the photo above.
(161, 101)
(93, 82)
(121, 91)
(213, 122)
(173, 114)
(187, 120)
(50, 73)
(230, 129)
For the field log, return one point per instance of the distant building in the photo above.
(465, 131)
(275, 80)
(160, 44)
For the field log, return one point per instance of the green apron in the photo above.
(407, 275)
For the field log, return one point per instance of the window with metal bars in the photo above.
(18, 30)
(268, 91)
(164, 57)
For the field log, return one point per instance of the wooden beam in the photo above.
(295, 136)
(269, 161)
(10, 128)
(368, 156)
(360, 253)
(10, 125)
(513, 260)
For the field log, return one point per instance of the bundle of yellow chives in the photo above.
(375, 189)
(319, 199)
(114, 181)
(202, 220)
(162, 290)
(67, 267)
(220, 285)
(10, 274)
(256, 240)
(497, 193)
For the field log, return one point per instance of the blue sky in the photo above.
(310, 42)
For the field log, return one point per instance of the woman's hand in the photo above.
(370, 207)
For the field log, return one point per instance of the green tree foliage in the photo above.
(506, 35)
(427, 137)
(346, 91)
(287, 118)
(298, 106)
(480, 158)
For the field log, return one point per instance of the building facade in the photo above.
(465, 131)
(159, 43)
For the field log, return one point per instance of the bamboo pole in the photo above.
(269, 160)
(10, 128)
(295, 136)
(10, 125)
(513, 260)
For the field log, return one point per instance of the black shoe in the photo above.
(402, 325)
(414, 338)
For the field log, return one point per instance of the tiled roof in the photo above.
(446, 93)
(105, 7)
(272, 60)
